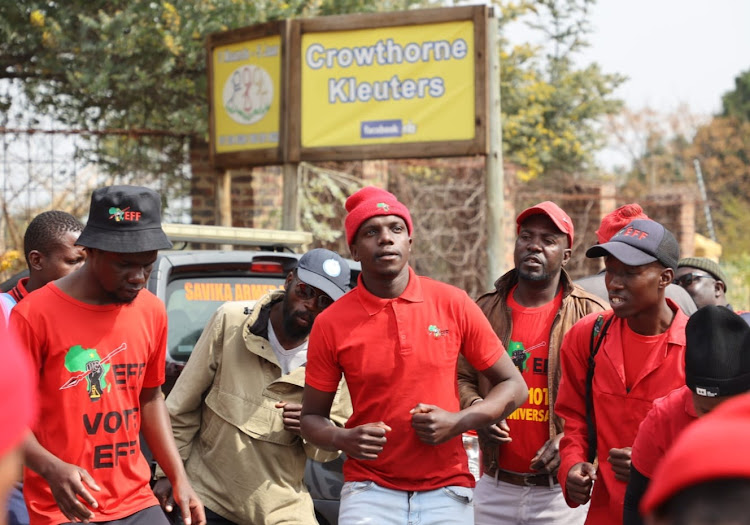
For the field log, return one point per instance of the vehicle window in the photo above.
(191, 302)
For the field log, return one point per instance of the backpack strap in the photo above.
(597, 336)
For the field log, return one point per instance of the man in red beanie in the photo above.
(531, 309)
(610, 225)
(396, 338)
(705, 476)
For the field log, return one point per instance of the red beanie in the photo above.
(369, 202)
(617, 220)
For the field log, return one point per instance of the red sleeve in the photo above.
(18, 380)
(480, 344)
(27, 340)
(322, 370)
(155, 369)
(571, 401)
(665, 421)
(648, 447)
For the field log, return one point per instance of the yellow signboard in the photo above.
(388, 85)
(246, 92)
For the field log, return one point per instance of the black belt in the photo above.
(522, 480)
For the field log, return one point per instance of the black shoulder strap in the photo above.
(597, 336)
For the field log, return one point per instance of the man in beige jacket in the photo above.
(235, 408)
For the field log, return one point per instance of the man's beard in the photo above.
(544, 276)
(291, 328)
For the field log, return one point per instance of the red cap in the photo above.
(369, 202)
(712, 448)
(561, 219)
(617, 220)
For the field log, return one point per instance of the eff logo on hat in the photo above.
(632, 232)
(124, 215)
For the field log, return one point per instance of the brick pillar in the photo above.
(202, 184)
(686, 221)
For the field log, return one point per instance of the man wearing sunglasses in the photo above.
(704, 280)
(236, 406)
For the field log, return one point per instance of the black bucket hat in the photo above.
(124, 219)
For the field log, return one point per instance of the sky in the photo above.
(673, 51)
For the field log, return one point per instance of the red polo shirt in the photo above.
(669, 416)
(394, 354)
(18, 292)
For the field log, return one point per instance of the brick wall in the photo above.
(256, 197)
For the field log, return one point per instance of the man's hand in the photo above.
(619, 458)
(432, 424)
(578, 484)
(547, 458)
(190, 505)
(291, 414)
(498, 433)
(362, 442)
(68, 482)
(163, 492)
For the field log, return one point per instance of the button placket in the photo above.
(401, 329)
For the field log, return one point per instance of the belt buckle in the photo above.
(527, 481)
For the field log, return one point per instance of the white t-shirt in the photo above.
(288, 359)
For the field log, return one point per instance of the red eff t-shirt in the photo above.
(529, 350)
(92, 362)
(396, 353)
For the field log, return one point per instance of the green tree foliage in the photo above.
(723, 149)
(136, 64)
(551, 108)
(140, 65)
(133, 65)
(736, 103)
(663, 155)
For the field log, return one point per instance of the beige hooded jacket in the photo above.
(240, 460)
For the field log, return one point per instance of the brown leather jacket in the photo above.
(576, 303)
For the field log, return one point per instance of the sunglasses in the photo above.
(307, 292)
(687, 279)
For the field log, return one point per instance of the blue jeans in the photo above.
(364, 502)
(17, 513)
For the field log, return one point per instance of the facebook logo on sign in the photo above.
(375, 129)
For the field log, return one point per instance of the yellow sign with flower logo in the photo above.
(246, 94)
